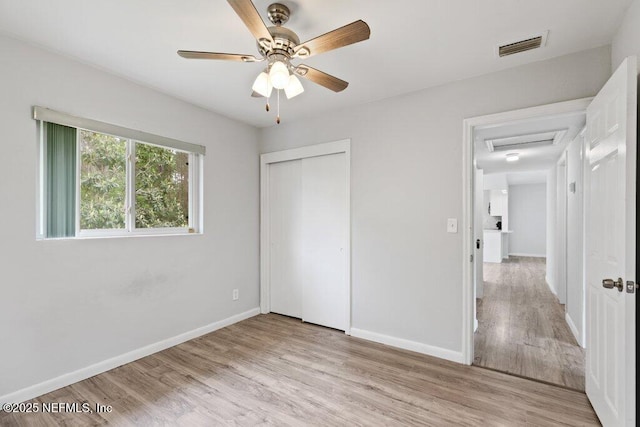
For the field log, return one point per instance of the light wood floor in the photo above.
(522, 328)
(275, 370)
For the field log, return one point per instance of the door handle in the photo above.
(610, 284)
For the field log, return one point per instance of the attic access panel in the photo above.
(525, 141)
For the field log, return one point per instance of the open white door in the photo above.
(478, 228)
(610, 214)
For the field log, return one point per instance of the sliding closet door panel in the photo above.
(324, 213)
(286, 252)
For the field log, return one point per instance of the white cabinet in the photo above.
(492, 246)
(496, 245)
(505, 246)
(498, 206)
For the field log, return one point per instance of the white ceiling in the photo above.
(531, 159)
(414, 44)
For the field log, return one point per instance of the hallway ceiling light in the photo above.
(513, 157)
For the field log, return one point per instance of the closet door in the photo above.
(324, 229)
(286, 251)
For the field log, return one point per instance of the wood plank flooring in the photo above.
(276, 370)
(522, 328)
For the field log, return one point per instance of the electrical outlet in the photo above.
(236, 294)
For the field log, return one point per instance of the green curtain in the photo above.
(61, 180)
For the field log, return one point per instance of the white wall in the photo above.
(575, 249)
(495, 181)
(407, 180)
(528, 219)
(67, 304)
(626, 41)
(552, 191)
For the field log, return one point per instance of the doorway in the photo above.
(520, 244)
(609, 170)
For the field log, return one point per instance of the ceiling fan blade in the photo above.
(251, 18)
(192, 54)
(255, 94)
(321, 78)
(353, 33)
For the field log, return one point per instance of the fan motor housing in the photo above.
(284, 42)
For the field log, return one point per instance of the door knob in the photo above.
(610, 284)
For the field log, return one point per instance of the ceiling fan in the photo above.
(279, 46)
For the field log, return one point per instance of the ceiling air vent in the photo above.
(522, 45)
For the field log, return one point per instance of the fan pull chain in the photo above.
(267, 106)
(278, 118)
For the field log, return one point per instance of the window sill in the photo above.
(117, 236)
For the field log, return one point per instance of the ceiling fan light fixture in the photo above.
(294, 87)
(262, 85)
(279, 75)
(278, 46)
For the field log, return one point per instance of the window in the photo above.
(162, 187)
(103, 181)
(95, 183)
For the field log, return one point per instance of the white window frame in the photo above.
(132, 137)
(129, 206)
(41, 200)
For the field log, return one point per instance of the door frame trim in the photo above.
(560, 242)
(266, 159)
(468, 125)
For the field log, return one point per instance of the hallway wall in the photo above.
(575, 241)
(527, 219)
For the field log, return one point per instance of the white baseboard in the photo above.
(573, 328)
(106, 365)
(442, 353)
(529, 255)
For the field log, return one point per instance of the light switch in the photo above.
(452, 225)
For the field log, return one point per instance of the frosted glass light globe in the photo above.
(262, 85)
(279, 75)
(294, 87)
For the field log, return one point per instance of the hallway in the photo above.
(521, 326)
